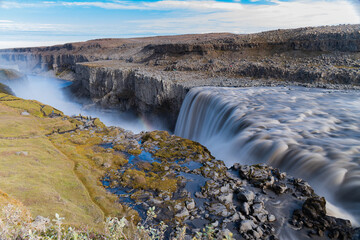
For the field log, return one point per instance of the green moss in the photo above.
(135, 151)
(119, 147)
(35, 108)
(148, 181)
(5, 89)
(173, 148)
(98, 123)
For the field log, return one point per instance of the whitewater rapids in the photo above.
(310, 133)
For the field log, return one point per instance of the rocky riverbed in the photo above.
(192, 190)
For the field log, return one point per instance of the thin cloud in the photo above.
(10, 26)
(255, 18)
(183, 17)
(133, 5)
(196, 5)
(106, 5)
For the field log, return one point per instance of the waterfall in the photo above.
(310, 133)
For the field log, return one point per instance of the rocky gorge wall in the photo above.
(129, 88)
(153, 75)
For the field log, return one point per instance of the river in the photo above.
(313, 134)
(51, 91)
(310, 133)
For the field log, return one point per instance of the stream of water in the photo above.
(310, 133)
(50, 91)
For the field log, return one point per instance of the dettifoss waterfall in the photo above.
(313, 134)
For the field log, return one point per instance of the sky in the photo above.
(42, 23)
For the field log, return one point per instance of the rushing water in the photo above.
(311, 133)
(50, 91)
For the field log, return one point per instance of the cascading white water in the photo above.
(310, 133)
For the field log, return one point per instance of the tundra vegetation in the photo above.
(52, 166)
(75, 178)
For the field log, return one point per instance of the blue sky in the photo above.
(39, 22)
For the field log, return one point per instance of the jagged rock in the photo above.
(257, 208)
(225, 189)
(183, 214)
(271, 218)
(246, 225)
(219, 209)
(226, 198)
(279, 188)
(246, 195)
(313, 215)
(245, 208)
(154, 74)
(190, 204)
(314, 207)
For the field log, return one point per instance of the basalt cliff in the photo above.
(153, 75)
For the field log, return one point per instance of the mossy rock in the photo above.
(119, 147)
(148, 181)
(10, 74)
(98, 123)
(5, 89)
(173, 147)
(135, 151)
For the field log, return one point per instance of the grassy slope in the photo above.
(42, 178)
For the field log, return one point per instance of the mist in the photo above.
(50, 91)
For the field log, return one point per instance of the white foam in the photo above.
(310, 133)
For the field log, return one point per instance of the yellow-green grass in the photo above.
(89, 161)
(44, 181)
(33, 107)
(52, 174)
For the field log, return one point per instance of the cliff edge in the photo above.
(153, 75)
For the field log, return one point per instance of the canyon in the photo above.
(279, 122)
(152, 75)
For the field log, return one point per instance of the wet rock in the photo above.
(226, 198)
(279, 188)
(303, 187)
(246, 195)
(190, 204)
(261, 216)
(219, 209)
(225, 189)
(199, 195)
(314, 207)
(178, 206)
(245, 208)
(215, 224)
(279, 175)
(313, 215)
(246, 225)
(271, 218)
(183, 214)
(257, 208)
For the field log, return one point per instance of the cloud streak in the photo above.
(175, 17)
(255, 18)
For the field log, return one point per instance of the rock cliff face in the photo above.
(153, 74)
(128, 88)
